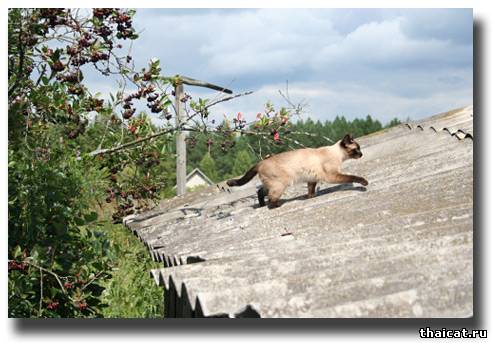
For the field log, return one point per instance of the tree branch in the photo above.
(228, 98)
(49, 272)
(92, 280)
(41, 293)
(160, 133)
(137, 141)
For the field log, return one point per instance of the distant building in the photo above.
(197, 179)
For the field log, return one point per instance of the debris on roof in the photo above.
(402, 247)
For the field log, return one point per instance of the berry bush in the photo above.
(74, 155)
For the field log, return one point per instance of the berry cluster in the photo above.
(57, 66)
(53, 16)
(275, 134)
(81, 305)
(14, 265)
(53, 59)
(191, 141)
(124, 25)
(52, 305)
(144, 91)
(185, 98)
(126, 197)
(124, 209)
(70, 77)
(167, 114)
(239, 122)
(95, 104)
(153, 103)
(126, 206)
(132, 129)
(149, 159)
(99, 56)
(128, 113)
(79, 55)
(76, 89)
(154, 107)
(102, 13)
(106, 22)
(79, 129)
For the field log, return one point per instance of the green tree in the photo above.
(58, 255)
(207, 165)
(242, 163)
(393, 122)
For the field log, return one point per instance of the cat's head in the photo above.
(350, 146)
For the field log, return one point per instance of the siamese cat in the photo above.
(303, 165)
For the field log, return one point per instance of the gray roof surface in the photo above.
(402, 247)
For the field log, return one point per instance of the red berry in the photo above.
(52, 305)
(82, 305)
(57, 66)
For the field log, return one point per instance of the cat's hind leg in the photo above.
(262, 192)
(275, 191)
(311, 190)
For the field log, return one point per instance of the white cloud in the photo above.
(324, 102)
(389, 62)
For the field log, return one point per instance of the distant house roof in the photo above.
(197, 171)
(403, 247)
(191, 179)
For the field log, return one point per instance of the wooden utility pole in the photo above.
(180, 143)
(181, 135)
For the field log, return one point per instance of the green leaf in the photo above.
(79, 221)
(90, 217)
(17, 252)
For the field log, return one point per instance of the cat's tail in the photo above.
(245, 179)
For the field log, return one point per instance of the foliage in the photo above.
(139, 176)
(207, 165)
(58, 255)
(242, 163)
(128, 293)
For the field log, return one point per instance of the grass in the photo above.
(130, 292)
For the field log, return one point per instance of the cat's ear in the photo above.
(347, 140)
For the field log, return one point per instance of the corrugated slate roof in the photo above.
(402, 247)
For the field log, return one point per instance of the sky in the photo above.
(388, 63)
